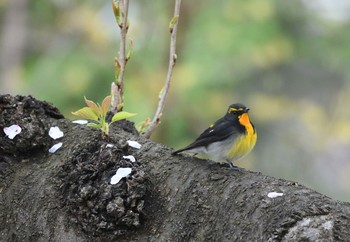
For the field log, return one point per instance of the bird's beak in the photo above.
(246, 110)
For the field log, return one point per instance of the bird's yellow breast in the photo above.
(245, 142)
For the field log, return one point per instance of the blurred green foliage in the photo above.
(286, 60)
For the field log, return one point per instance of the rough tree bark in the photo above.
(67, 196)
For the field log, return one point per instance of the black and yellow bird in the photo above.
(228, 139)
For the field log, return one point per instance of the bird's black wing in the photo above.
(221, 130)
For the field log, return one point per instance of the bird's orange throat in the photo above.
(245, 121)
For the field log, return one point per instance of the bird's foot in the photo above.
(233, 167)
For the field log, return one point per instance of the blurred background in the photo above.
(286, 60)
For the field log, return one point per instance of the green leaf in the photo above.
(86, 113)
(173, 21)
(92, 105)
(122, 115)
(141, 127)
(93, 125)
(116, 11)
(130, 51)
(105, 105)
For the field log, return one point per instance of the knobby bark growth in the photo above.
(67, 196)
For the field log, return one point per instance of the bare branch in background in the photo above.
(172, 61)
(120, 9)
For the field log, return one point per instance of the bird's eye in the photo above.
(234, 112)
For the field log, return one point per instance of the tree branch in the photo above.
(172, 61)
(68, 196)
(117, 88)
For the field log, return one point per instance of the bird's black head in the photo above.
(236, 110)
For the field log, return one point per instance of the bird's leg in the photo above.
(233, 167)
(194, 155)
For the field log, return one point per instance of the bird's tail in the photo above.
(178, 151)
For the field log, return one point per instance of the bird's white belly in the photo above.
(218, 151)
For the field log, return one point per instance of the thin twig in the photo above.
(172, 61)
(118, 87)
(122, 56)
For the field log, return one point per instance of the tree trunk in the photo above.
(67, 196)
